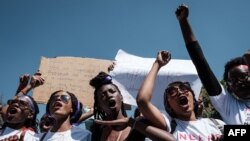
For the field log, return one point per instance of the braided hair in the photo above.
(97, 82)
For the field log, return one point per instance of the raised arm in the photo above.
(208, 79)
(36, 80)
(23, 82)
(149, 111)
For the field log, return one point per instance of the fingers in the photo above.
(38, 73)
(37, 80)
(182, 11)
(163, 57)
(24, 77)
(166, 56)
(111, 67)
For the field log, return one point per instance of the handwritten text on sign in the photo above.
(70, 74)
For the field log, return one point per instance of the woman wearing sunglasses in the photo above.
(21, 111)
(180, 104)
(66, 110)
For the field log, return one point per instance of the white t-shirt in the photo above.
(74, 134)
(7, 132)
(200, 130)
(232, 111)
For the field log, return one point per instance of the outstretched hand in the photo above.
(182, 12)
(163, 57)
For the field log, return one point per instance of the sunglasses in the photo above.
(178, 89)
(243, 77)
(64, 98)
(21, 103)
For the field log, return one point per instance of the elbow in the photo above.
(141, 102)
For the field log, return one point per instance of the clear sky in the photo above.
(30, 29)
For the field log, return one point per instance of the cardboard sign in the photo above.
(70, 74)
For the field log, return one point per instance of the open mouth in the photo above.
(12, 110)
(111, 103)
(183, 100)
(57, 105)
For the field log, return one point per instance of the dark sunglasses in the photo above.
(21, 103)
(64, 98)
(178, 89)
(243, 77)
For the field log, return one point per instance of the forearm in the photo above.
(25, 90)
(146, 89)
(208, 79)
(86, 116)
(150, 131)
(205, 73)
(187, 31)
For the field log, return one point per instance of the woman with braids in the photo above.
(111, 121)
(66, 110)
(21, 111)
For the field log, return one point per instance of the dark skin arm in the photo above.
(23, 82)
(208, 79)
(86, 115)
(152, 132)
(145, 93)
(36, 80)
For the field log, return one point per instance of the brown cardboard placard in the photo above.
(70, 74)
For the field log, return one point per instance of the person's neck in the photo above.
(116, 116)
(119, 115)
(188, 117)
(61, 125)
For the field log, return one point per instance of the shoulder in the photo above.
(213, 121)
(77, 131)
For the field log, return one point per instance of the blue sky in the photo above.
(30, 29)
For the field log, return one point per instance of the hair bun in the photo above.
(101, 79)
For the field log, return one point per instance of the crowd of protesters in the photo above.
(182, 121)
